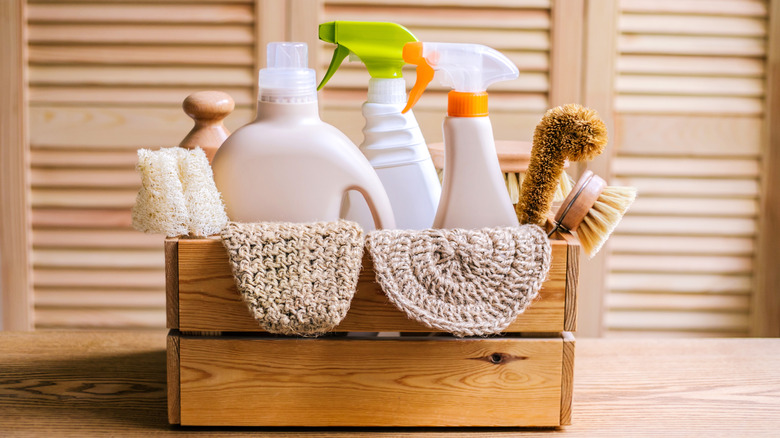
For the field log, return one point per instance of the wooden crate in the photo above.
(223, 370)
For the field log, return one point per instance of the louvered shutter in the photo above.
(689, 112)
(105, 79)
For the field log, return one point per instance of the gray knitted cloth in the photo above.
(466, 282)
(297, 279)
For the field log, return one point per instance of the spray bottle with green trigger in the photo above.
(392, 141)
(474, 194)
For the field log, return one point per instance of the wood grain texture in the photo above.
(173, 367)
(567, 378)
(15, 272)
(598, 93)
(172, 283)
(766, 302)
(110, 383)
(572, 282)
(566, 32)
(208, 299)
(370, 382)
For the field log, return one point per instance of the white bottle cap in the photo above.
(287, 77)
(389, 90)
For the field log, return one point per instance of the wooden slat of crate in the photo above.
(208, 300)
(262, 381)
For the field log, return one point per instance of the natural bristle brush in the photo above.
(593, 210)
(566, 132)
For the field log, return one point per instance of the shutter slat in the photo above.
(682, 85)
(138, 75)
(677, 320)
(698, 245)
(747, 8)
(687, 226)
(98, 258)
(94, 238)
(51, 318)
(690, 167)
(736, 207)
(681, 283)
(691, 45)
(100, 34)
(136, 96)
(105, 298)
(699, 66)
(693, 25)
(669, 301)
(681, 263)
(139, 13)
(100, 278)
(142, 55)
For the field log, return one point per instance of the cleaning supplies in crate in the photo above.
(473, 194)
(392, 141)
(569, 131)
(296, 279)
(288, 165)
(593, 210)
(177, 195)
(466, 282)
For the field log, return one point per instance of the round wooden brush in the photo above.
(567, 132)
(593, 210)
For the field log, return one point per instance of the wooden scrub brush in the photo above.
(567, 132)
(593, 210)
(513, 157)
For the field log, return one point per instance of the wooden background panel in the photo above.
(690, 95)
(105, 79)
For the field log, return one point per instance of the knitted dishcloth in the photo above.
(466, 282)
(296, 279)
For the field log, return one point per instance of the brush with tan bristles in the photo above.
(593, 210)
(566, 132)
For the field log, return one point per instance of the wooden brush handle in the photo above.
(208, 109)
(579, 202)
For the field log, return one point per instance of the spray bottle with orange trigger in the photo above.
(474, 194)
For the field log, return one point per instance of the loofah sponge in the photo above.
(178, 195)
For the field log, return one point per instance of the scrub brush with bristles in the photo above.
(593, 210)
(567, 132)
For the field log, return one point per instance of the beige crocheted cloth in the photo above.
(297, 279)
(466, 282)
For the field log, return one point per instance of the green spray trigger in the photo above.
(378, 44)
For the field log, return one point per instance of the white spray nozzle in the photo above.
(466, 68)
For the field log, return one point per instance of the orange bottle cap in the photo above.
(467, 104)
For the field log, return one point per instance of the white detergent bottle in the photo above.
(288, 165)
(392, 141)
(474, 194)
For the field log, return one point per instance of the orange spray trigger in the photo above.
(413, 55)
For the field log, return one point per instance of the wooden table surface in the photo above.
(113, 383)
